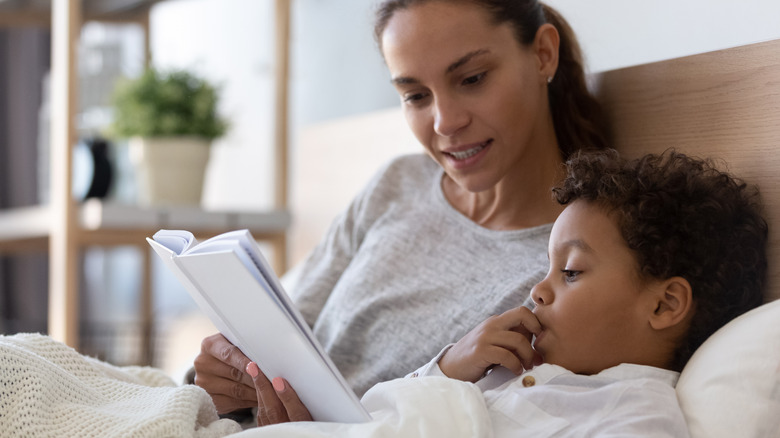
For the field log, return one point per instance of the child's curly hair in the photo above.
(681, 217)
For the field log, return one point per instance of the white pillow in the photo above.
(731, 386)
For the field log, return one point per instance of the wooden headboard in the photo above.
(724, 105)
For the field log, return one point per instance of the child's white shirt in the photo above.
(625, 400)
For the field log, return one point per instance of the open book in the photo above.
(233, 284)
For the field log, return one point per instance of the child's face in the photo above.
(591, 304)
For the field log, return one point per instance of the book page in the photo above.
(177, 241)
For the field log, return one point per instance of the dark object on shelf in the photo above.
(103, 170)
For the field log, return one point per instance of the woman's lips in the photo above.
(470, 152)
(466, 157)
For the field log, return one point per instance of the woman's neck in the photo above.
(522, 199)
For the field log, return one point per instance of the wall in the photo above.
(620, 33)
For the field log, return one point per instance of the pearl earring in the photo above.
(549, 79)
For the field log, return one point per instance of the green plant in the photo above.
(157, 104)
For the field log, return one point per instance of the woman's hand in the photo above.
(500, 340)
(277, 401)
(220, 370)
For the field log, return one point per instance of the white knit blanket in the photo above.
(47, 389)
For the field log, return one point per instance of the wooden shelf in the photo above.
(99, 221)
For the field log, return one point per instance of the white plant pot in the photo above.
(169, 170)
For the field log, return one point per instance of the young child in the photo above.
(648, 259)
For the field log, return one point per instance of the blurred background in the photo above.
(343, 123)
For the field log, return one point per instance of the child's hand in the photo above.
(500, 340)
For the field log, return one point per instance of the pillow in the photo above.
(731, 385)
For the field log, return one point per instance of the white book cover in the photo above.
(233, 284)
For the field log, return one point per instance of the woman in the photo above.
(495, 92)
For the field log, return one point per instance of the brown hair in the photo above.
(681, 217)
(578, 118)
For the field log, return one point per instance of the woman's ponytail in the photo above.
(578, 118)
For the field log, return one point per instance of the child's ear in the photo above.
(673, 302)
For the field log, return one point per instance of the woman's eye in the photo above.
(570, 275)
(414, 98)
(471, 80)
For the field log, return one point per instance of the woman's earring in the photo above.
(549, 79)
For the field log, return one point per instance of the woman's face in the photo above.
(472, 94)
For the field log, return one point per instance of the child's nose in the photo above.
(541, 294)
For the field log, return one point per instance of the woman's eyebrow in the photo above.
(466, 58)
(401, 80)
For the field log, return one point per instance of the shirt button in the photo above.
(529, 381)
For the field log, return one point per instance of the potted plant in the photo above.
(170, 120)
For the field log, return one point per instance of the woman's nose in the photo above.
(449, 117)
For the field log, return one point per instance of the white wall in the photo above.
(620, 33)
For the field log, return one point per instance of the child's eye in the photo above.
(570, 275)
(472, 80)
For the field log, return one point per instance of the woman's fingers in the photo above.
(270, 409)
(215, 371)
(234, 382)
(211, 368)
(296, 411)
(216, 384)
(233, 361)
(278, 401)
